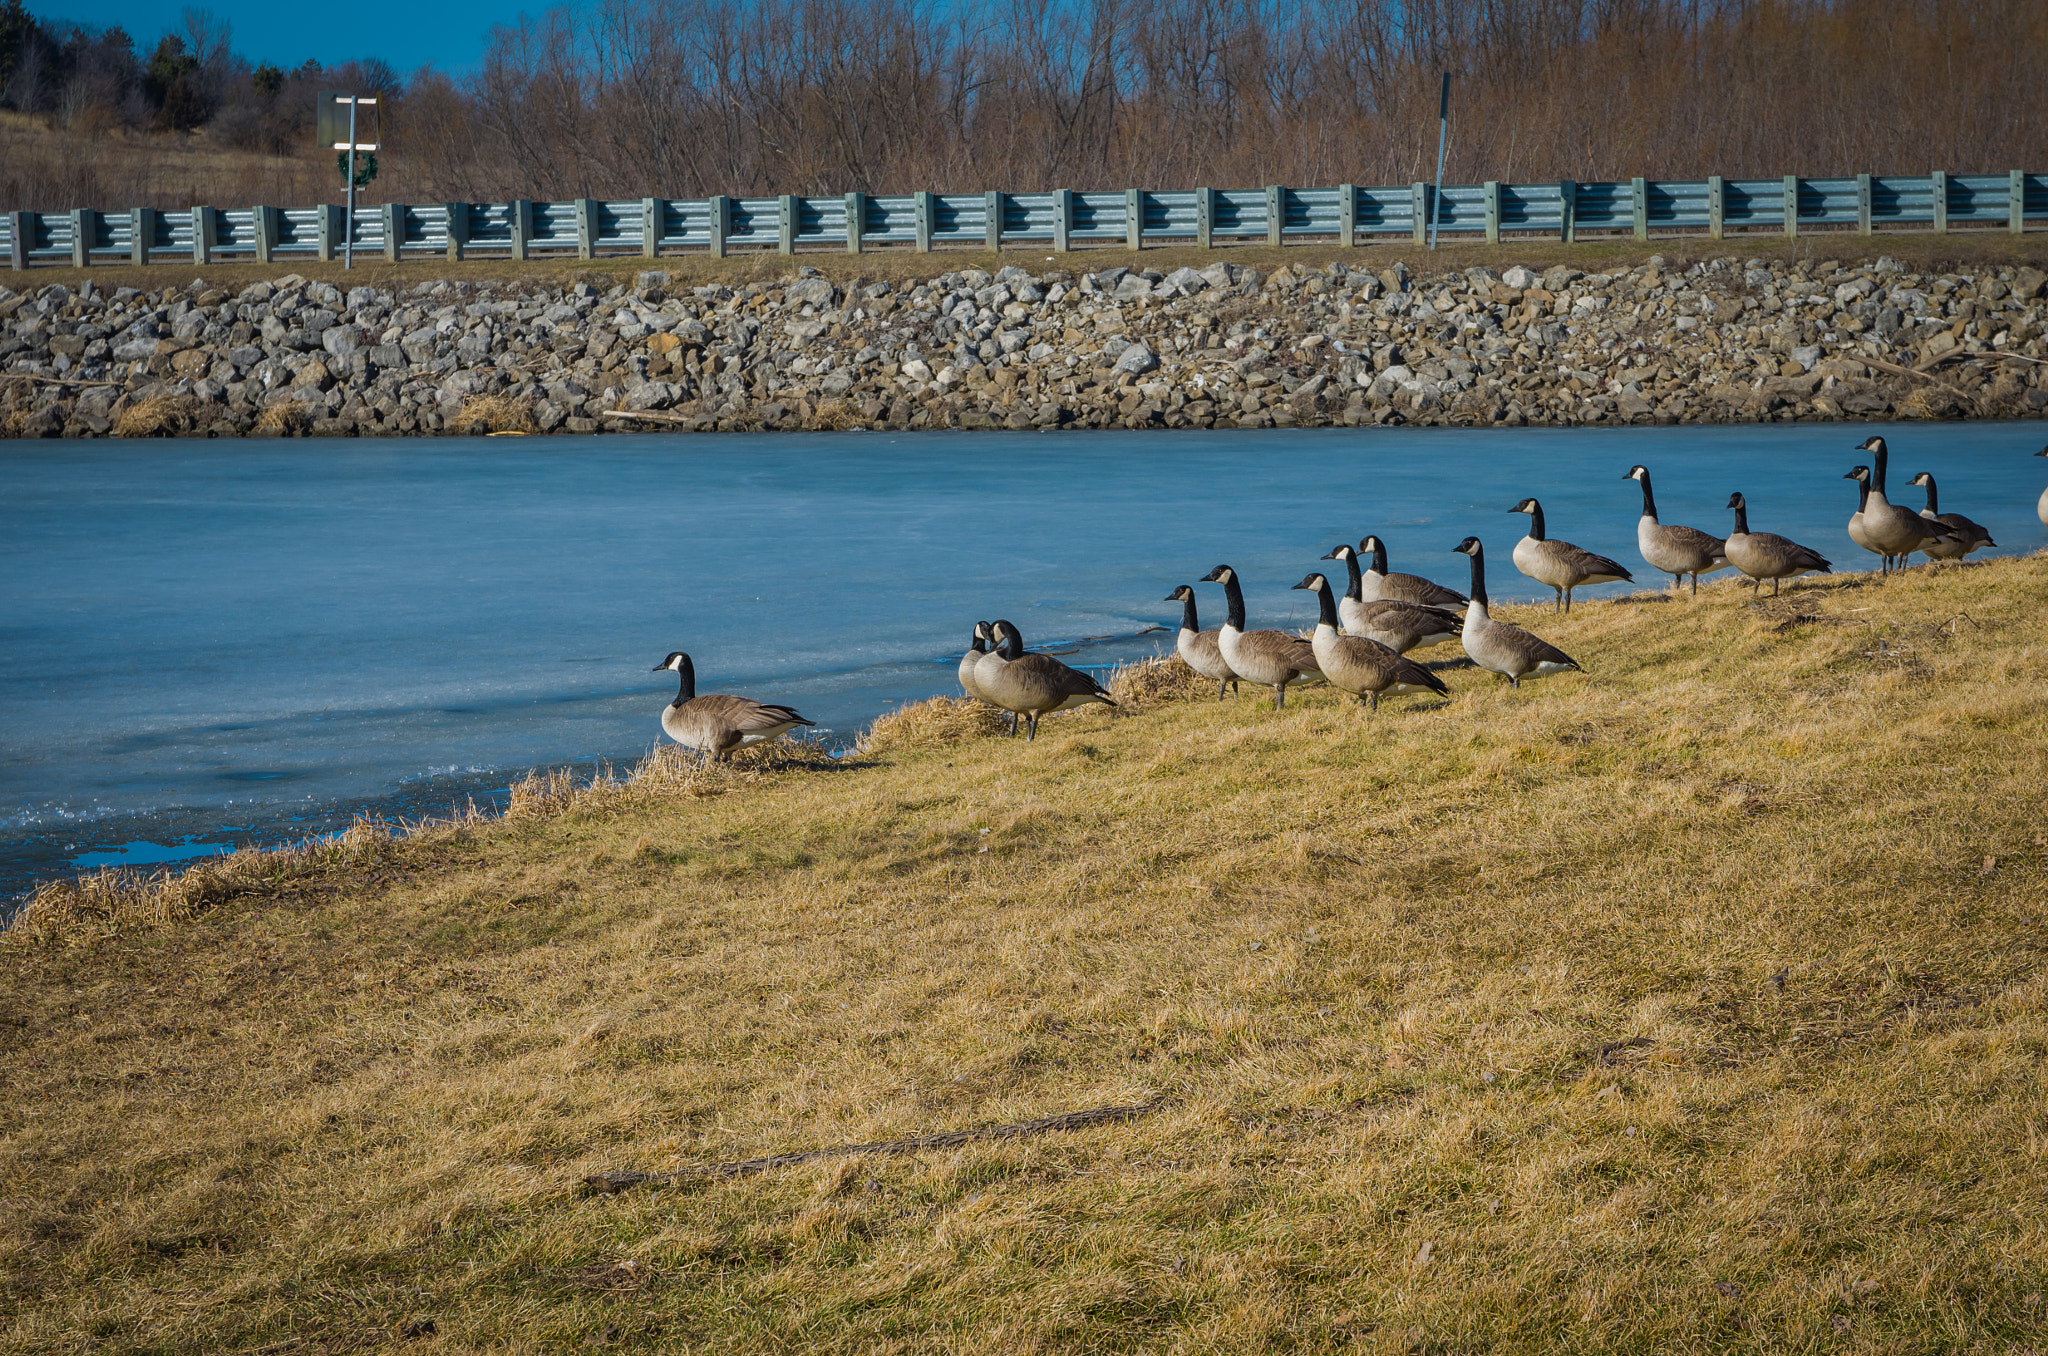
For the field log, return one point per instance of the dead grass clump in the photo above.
(543, 794)
(835, 416)
(940, 720)
(1166, 678)
(495, 414)
(159, 417)
(285, 419)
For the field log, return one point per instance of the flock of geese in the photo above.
(1363, 636)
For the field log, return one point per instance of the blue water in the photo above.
(211, 643)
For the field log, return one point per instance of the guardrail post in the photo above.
(1205, 217)
(325, 230)
(785, 224)
(1717, 207)
(394, 231)
(204, 235)
(1134, 219)
(458, 230)
(1347, 215)
(1493, 211)
(1276, 212)
(856, 220)
(1568, 210)
(141, 234)
(992, 221)
(1418, 196)
(82, 223)
(2016, 200)
(586, 228)
(18, 230)
(652, 211)
(1062, 218)
(1937, 182)
(924, 222)
(1791, 206)
(1639, 206)
(265, 219)
(720, 224)
(522, 226)
(1863, 204)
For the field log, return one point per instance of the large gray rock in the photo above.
(341, 340)
(1521, 278)
(1137, 360)
(810, 291)
(654, 395)
(1183, 282)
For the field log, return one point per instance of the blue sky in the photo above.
(407, 33)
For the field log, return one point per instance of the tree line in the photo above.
(625, 98)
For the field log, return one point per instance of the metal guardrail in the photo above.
(1062, 219)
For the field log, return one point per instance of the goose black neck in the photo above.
(1741, 520)
(1233, 598)
(686, 683)
(1535, 527)
(1379, 557)
(1862, 495)
(1933, 504)
(1328, 603)
(1013, 644)
(1649, 500)
(980, 645)
(1877, 456)
(1356, 591)
(1188, 620)
(1479, 568)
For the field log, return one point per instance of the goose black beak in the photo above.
(1330, 554)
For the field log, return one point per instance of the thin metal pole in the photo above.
(1443, 127)
(348, 230)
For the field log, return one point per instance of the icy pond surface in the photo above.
(207, 643)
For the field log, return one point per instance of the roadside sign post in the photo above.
(1443, 127)
(349, 141)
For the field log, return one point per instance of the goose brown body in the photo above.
(716, 723)
(1032, 685)
(1971, 535)
(1675, 549)
(1559, 564)
(1378, 584)
(1399, 626)
(972, 659)
(1270, 658)
(1363, 667)
(1766, 555)
(1200, 650)
(1504, 649)
(1895, 531)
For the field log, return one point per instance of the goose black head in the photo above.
(1922, 479)
(1341, 551)
(1637, 473)
(1371, 544)
(2042, 453)
(1314, 582)
(1180, 595)
(1470, 546)
(1871, 444)
(1735, 500)
(1222, 574)
(677, 661)
(1858, 473)
(1526, 506)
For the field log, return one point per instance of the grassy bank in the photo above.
(1918, 252)
(1695, 1002)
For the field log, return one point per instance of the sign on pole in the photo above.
(341, 125)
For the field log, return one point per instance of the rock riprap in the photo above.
(1724, 340)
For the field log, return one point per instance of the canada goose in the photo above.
(2041, 504)
(1507, 650)
(1766, 555)
(973, 657)
(1400, 627)
(1861, 475)
(1362, 667)
(714, 724)
(1033, 684)
(1897, 531)
(1971, 535)
(1271, 658)
(1378, 584)
(1197, 648)
(1677, 551)
(1559, 564)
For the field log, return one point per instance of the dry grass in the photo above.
(1692, 1003)
(159, 417)
(495, 414)
(283, 419)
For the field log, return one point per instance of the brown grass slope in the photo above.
(1692, 1003)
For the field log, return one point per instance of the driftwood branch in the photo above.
(611, 1183)
(1883, 366)
(1955, 354)
(656, 415)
